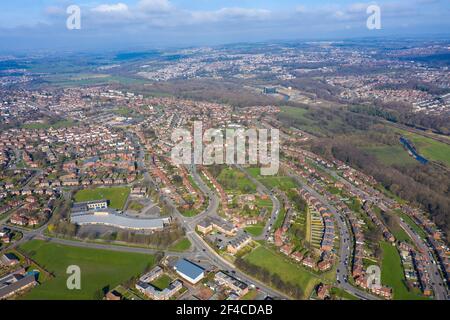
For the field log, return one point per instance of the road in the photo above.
(197, 240)
(432, 268)
(435, 276)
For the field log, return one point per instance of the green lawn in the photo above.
(99, 269)
(342, 294)
(277, 181)
(285, 269)
(162, 282)
(250, 295)
(412, 224)
(280, 218)
(255, 231)
(181, 245)
(392, 274)
(136, 206)
(117, 196)
(189, 213)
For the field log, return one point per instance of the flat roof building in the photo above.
(113, 219)
(189, 271)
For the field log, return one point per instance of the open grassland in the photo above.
(100, 269)
(392, 274)
(287, 270)
(429, 148)
(117, 196)
(391, 155)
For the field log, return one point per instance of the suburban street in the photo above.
(345, 246)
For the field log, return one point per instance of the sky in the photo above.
(33, 25)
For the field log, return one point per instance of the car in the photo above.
(337, 270)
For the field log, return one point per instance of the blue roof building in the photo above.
(189, 271)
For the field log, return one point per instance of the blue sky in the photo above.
(120, 24)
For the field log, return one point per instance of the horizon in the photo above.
(122, 24)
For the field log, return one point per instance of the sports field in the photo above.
(117, 196)
(100, 269)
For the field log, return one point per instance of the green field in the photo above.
(277, 181)
(304, 119)
(390, 155)
(181, 245)
(256, 230)
(429, 148)
(285, 269)
(99, 269)
(117, 196)
(392, 274)
(234, 180)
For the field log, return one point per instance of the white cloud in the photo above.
(230, 14)
(111, 8)
(155, 6)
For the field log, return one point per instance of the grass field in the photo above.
(308, 124)
(278, 181)
(99, 269)
(429, 148)
(255, 231)
(285, 269)
(390, 155)
(233, 180)
(181, 245)
(117, 196)
(392, 274)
